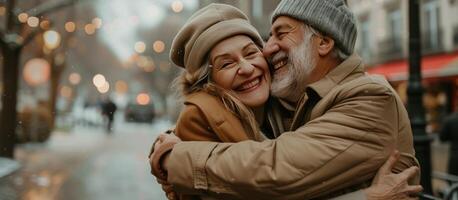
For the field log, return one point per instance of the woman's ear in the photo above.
(325, 46)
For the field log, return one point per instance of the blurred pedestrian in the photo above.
(108, 110)
(449, 133)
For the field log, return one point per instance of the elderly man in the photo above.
(334, 125)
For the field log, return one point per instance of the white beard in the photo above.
(301, 62)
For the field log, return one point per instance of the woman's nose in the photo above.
(245, 68)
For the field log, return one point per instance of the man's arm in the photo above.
(385, 186)
(344, 146)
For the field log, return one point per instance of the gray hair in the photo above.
(337, 52)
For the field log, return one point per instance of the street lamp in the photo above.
(415, 107)
(52, 39)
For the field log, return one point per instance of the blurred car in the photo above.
(139, 113)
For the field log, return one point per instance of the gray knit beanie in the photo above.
(331, 17)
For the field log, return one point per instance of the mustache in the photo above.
(277, 57)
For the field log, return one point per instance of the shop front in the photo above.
(440, 81)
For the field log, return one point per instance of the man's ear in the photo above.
(325, 46)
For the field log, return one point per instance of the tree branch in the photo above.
(30, 36)
(48, 7)
(10, 14)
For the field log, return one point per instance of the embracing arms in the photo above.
(343, 147)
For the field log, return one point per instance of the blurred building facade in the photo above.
(383, 44)
(259, 11)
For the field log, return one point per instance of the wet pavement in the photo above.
(86, 164)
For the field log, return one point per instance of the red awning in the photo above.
(432, 66)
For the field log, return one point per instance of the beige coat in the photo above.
(347, 136)
(205, 118)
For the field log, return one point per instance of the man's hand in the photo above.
(389, 186)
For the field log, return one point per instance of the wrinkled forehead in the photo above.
(231, 45)
(286, 21)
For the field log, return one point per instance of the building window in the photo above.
(395, 24)
(390, 48)
(430, 25)
(365, 46)
(257, 8)
(455, 36)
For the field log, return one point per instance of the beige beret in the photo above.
(205, 29)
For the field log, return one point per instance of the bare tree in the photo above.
(13, 39)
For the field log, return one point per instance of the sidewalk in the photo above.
(8, 166)
(86, 164)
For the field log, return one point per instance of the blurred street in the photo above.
(87, 163)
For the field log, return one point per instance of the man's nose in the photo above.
(270, 48)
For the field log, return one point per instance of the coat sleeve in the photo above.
(193, 126)
(357, 195)
(344, 146)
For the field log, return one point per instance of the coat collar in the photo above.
(351, 65)
(321, 88)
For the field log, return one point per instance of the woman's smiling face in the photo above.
(239, 65)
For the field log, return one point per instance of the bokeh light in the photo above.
(33, 21)
(52, 39)
(140, 47)
(99, 80)
(36, 71)
(104, 88)
(74, 78)
(45, 24)
(159, 46)
(23, 17)
(177, 6)
(70, 27)
(97, 22)
(143, 99)
(89, 29)
(66, 91)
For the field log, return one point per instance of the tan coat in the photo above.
(205, 118)
(356, 124)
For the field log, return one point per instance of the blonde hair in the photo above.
(200, 80)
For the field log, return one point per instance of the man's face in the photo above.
(292, 55)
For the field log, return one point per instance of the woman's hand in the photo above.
(161, 149)
(168, 189)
